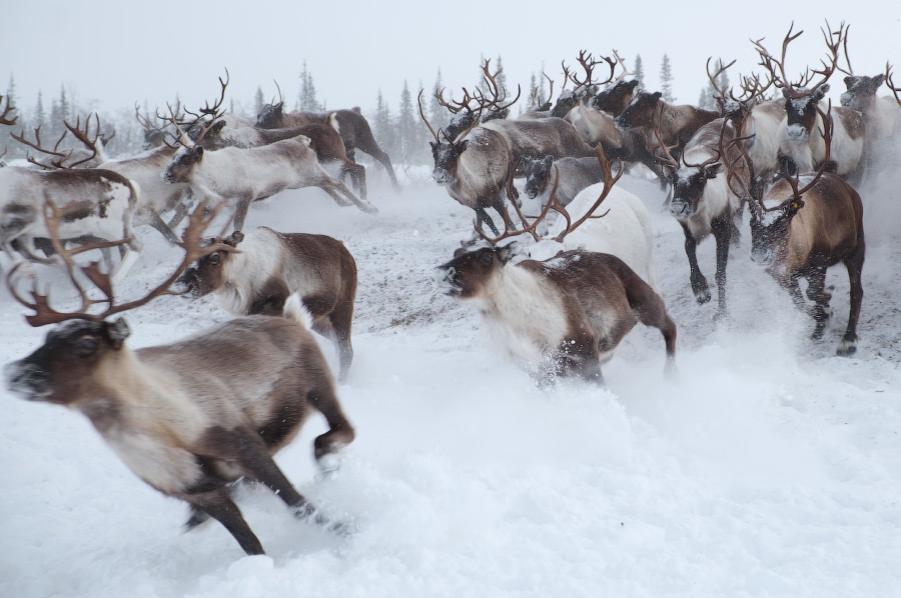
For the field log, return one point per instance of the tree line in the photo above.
(397, 125)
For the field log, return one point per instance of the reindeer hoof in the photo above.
(702, 295)
(846, 348)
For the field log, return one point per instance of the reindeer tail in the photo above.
(295, 310)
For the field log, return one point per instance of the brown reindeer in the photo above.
(269, 267)
(563, 316)
(190, 417)
(475, 166)
(798, 232)
(353, 126)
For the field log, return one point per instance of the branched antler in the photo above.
(44, 314)
(6, 110)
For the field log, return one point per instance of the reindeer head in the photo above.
(471, 274)
(616, 98)
(183, 164)
(69, 366)
(208, 274)
(270, 117)
(640, 111)
(769, 224)
(538, 175)
(801, 111)
(689, 183)
(861, 91)
(446, 155)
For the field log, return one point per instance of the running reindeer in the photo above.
(190, 417)
(803, 225)
(563, 316)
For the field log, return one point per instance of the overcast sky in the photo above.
(117, 53)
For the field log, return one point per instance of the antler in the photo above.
(889, 82)
(714, 78)
(422, 114)
(622, 63)
(828, 126)
(834, 40)
(82, 136)
(207, 117)
(498, 95)
(588, 63)
(554, 204)
(6, 110)
(44, 314)
(37, 144)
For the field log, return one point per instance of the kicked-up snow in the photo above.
(766, 466)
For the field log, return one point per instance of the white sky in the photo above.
(117, 52)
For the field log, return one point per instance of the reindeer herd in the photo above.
(560, 299)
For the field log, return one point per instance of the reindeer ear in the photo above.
(786, 94)
(506, 253)
(849, 81)
(820, 93)
(235, 238)
(218, 126)
(198, 153)
(549, 161)
(711, 171)
(794, 206)
(117, 332)
(878, 80)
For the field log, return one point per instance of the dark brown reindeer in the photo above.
(802, 147)
(268, 267)
(475, 166)
(674, 125)
(353, 126)
(800, 231)
(191, 417)
(559, 317)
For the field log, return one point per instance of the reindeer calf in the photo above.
(269, 267)
(560, 317)
(190, 417)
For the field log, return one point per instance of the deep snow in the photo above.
(769, 467)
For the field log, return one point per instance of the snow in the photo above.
(767, 467)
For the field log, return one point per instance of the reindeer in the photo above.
(191, 417)
(324, 140)
(574, 175)
(269, 267)
(672, 125)
(704, 202)
(800, 232)
(353, 126)
(882, 117)
(802, 148)
(476, 167)
(559, 317)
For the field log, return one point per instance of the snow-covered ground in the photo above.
(768, 467)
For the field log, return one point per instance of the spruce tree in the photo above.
(436, 113)
(666, 81)
(383, 128)
(258, 101)
(307, 99)
(639, 73)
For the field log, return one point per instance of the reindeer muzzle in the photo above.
(680, 208)
(796, 133)
(186, 284)
(445, 279)
(28, 380)
(441, 176)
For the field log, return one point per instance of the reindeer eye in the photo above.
(485, 259)
(214, 259)
(86, 346)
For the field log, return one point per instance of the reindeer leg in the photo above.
(219, 505)
(816, 291)
(340, 431)
(157, 223)
(722, 233)
(357, 174)
(241, 209)
(854, 264)
(737, 218)
(698, 282)
(482, 216)
(341, 194)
